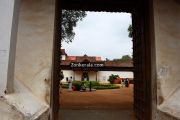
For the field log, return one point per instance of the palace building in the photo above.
(93, 68)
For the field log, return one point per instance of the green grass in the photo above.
(94, 85)
(108, 86)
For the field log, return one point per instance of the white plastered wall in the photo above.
(8, 31)
(67, 73)
(33, 58)
(9, 10)
(104, 75)
(101, 75)
(34, 45)
(167, 37)
(63, 57)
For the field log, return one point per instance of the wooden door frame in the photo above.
(115, 6)
(56, 59)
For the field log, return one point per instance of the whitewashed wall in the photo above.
(9, 11)
(7, 41)
(63, 57)
(101, 75)
(167, 37)
(67, 73)
(34, 45)
(33, 58)
(104, 75)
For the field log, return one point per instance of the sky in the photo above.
(101, 34)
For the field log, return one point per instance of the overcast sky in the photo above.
(101, 34)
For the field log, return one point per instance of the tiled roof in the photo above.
(66, 62)
(83, 58)
(93, 59)
(71, 58)
(106, 63)
(118, 63)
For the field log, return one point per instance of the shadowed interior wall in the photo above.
(78, 75)
(167, 37)
(92, 75)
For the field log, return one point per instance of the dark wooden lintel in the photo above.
(99, 5)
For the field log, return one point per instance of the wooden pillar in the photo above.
(54, 101)
(74, 76)
(96, 75)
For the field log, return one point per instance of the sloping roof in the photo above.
(83, 58)
(106, 63)
(66, 62)
(94, 59)
(71, 58)
(118, 63)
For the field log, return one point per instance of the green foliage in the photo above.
(124, 58)
(107, 59)
(130, 30)
(93, 83)
(108, 86)
(112, 78)
(77, 84)
(64, 85)
(69, 21)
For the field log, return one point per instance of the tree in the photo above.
(130, 30)
(126, 58)
(107, 59)
(69, 21)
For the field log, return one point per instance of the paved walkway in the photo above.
(116, 104)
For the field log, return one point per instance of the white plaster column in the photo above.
(9, 10)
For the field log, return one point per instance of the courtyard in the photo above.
(113, 104)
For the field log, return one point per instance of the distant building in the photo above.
(93, 68)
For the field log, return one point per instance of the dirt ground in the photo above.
(100, 99)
